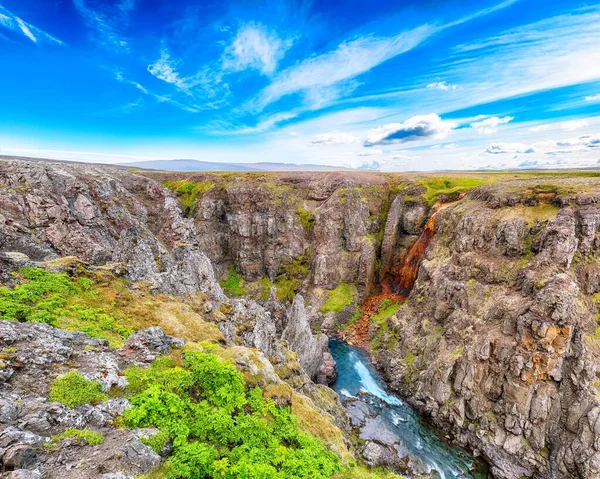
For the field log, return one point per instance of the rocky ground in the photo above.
(497, 344)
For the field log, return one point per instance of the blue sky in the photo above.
(399, 85)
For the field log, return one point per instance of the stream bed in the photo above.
(387, 420)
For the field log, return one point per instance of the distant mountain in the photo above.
(195, 165)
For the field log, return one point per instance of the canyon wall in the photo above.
(497, 343)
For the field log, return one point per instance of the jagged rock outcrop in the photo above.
(313, 353)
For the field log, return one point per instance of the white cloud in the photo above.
(205, 83)
(25, 30)
(255, 47)
(441, 85)
(348, 60)
(266, 123)
(371, 165)
(549, 147)
(551, 53)
(445, 146)
(573, 125)
(107, 23)
(17, 25)
(592, 98)
(490, 125)
(500, 148)
(334, 138)
(371, 152)
(415, 128)
(570, 125)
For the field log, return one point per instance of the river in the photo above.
(358, 378)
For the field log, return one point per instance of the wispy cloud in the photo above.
(334, 138)
(15, 24)
(441, 85)
(266, 123)
(206, 83)
(191, 107)
(548, 147)
(551, 53)
(352, 58)
(570, 125)
(490, 125)
(415, 128)
(593, 98)
(107, 24)
(255, 47)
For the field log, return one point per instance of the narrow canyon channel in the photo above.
(387, 420)
(394, 427)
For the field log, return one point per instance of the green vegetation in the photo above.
(85, 436)
(188, 192)
(61, 301)
(290, 282)
(386, 311)
(451, 186)
(364, 473)
(234, 283)
(37, 300)
(339, 298)
(307, 219)
(218, 427)
(73, 390)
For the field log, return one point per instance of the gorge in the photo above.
(481, 315)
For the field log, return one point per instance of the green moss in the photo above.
(457, 352)
(233, 284)
(451, 186)
(386, 311)
(339, 298)
(86, 436)
(307, 219)
(188, 192)
(73, 389)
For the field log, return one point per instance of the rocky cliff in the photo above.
(120, 257)
(498, 341)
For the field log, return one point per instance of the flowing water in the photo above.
(357, 377)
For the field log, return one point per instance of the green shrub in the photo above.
(234, 283)
(73, 390)
(218, 427)
(307, 219)
(86, 436)
(339, 298)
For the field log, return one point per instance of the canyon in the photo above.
(481, 314)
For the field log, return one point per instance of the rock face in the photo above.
(101, 215)
(106, 215)
(497, 343)
(311, 351)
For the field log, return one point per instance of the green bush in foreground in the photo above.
(218, 427)
(87, 436)
(73, 390)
